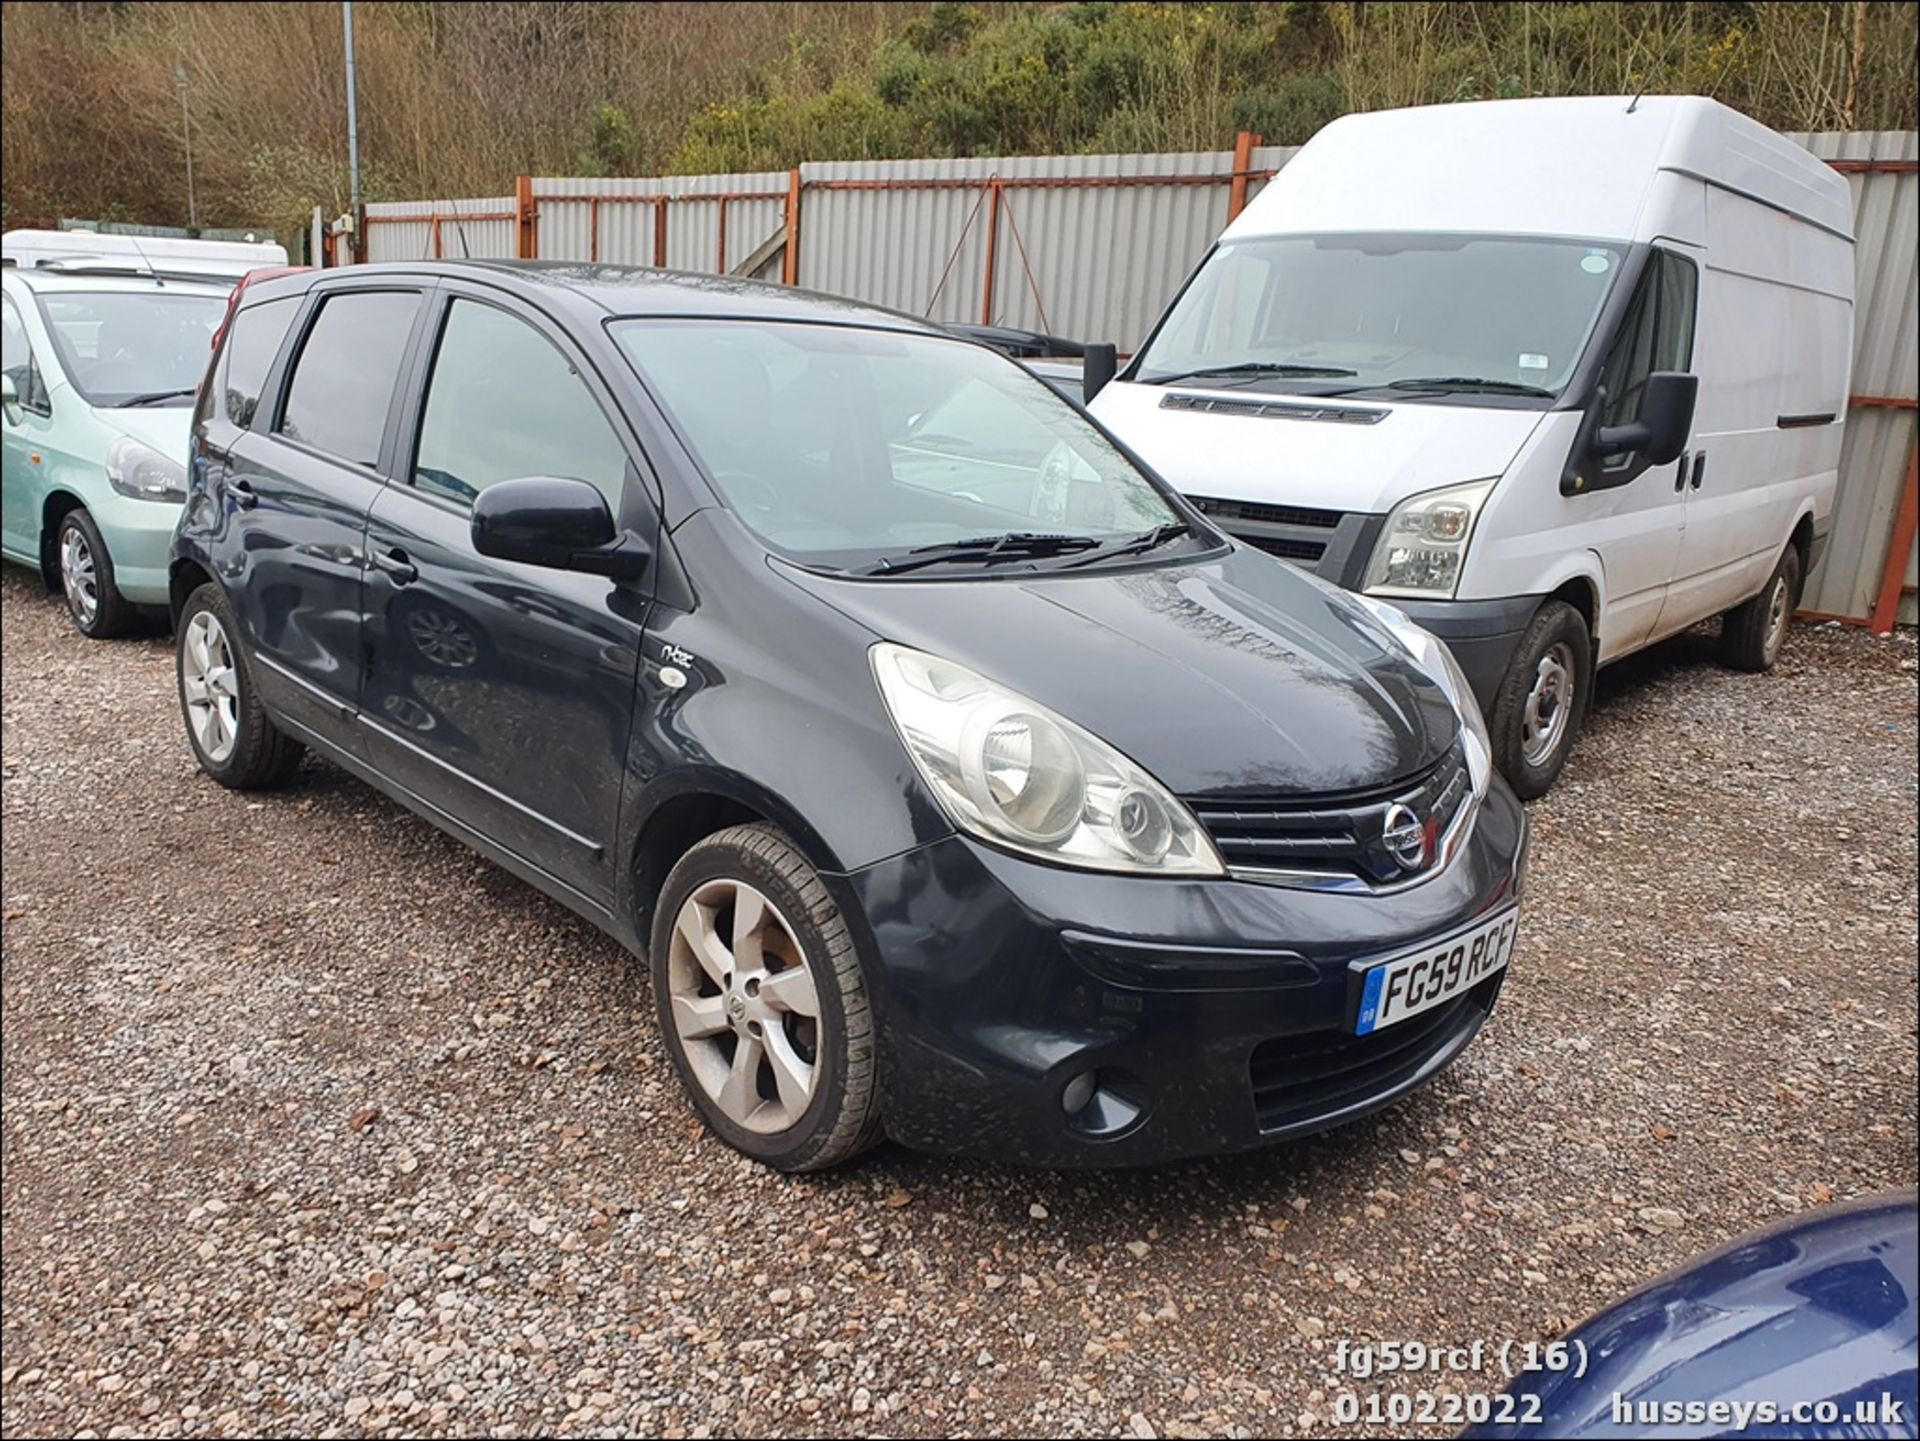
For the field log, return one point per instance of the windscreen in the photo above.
(133, 347)
(838, 445)
(1356, 312)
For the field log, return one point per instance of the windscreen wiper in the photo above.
(154, 397)
(1467, 383)
(1133, 544)
(981, 550)
(1252, 370)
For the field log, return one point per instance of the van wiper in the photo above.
(981, 550)
(1252, 370)
(1133, 544)
(1467, 384)
(153, 397)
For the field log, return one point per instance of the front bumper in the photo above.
(1482, 634)
(1213, 1013)
(139, 537)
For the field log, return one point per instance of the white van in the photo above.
(167, 255)
(1557, 377)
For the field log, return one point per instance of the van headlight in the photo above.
(1010, 771)
(1431, 655)
(1424, 543)
(136, 469)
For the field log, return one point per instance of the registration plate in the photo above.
(1394, 990)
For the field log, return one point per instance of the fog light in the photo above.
(1078, 1091)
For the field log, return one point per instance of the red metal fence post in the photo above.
(1243, 146)
(1886, 609)
(660, 232)
(993, 248)
(790, 259)
(720, 267)
(526, 230)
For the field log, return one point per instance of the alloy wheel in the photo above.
(745, 1009)
(1549, 708)
(78, 576)
(210, 686)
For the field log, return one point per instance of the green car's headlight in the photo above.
(136, 469)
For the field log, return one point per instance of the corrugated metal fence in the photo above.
(1093, 246)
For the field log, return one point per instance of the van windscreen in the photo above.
(1360, 312)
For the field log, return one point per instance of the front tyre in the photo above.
(763, 1004)
(1754, 632)
(1542, 700)
(98, 609)
(232, 737)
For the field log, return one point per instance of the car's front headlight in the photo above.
(136, 469)
(1012, 772)
(1430, 653)
(1424, 544)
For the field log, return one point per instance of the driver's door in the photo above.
(498, 693)
(24, 440)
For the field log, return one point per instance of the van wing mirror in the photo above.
(1657, 435)
(557, 522)
(1097, 368)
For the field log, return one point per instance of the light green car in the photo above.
(100, 371)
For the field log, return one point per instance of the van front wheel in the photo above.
(1543, 699)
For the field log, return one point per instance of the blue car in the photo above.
(1805, 1328)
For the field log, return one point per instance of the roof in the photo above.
(1576, 166)
(623, 290)
(53, 282)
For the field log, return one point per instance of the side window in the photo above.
(503, 403)
(18, 361)
(1657, 334)
(251, 346)
(343, 381)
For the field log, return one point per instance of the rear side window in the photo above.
(251, 346)
(503, 404)
(343, 381)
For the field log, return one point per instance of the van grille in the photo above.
(1297, 1080)
(1307, 551)
(1228, 511)
(1317, 842)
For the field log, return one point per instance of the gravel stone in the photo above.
(316, 1123)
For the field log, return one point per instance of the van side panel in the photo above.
(1774, 337)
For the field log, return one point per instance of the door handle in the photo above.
(396, 564)
(1680, 474)
(243, 493)
(1699, 469)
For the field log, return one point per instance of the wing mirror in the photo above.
(1096, 369)
(1659, 432)
(1656, 435)
(10, 399)
(556, 522)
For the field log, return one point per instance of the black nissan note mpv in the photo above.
(959, 781)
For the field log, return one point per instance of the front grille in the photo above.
(1309, 551)
(1312, 839)
(1228, 511)
(1298, 1080)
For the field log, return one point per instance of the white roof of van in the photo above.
(1580, 166)
(170, 255)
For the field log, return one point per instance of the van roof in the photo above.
(61, 280)
(167, 254)
(1581, 166)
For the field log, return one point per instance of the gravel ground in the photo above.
(316, 1123)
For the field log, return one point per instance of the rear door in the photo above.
(502, 694)
(298, 482)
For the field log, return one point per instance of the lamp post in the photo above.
(186, 134)
(353, 119)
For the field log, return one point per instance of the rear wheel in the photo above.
(1542, 700)
(98, 609)
(1753, 634)
(232, 737)
(762, 1002)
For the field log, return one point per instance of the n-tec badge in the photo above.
(1405, 837)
